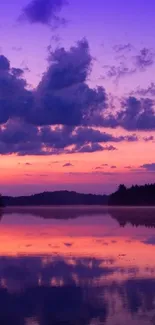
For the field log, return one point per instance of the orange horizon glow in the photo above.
(44, 241)
(46, 170)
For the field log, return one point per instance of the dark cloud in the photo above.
(91, 136)
(137, 114)
(148, 138)
(128, 167)
(94, 147)
(67, 165)
(63, 96)
(149, 167)
(19, 138)
(15, 99)
(85, 135)
(67, 68)
(149, 241)
(68, 244)
(44, 12)
(130, 138)
(4, 64)
(113, 167)
(22, 139)
(144, 59)
(61, 114)
(15, 132)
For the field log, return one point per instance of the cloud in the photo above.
(129, 64)
(68, 244)
(62, 113)
(4, 63)
(94, 147)
(129, 138)
(137, 114)
(149, 167)
(28, 164)
(144, 59)
(148, 138)
(149, 91)
(118, 72)
(15, 99)
(16, 136)
(113, 167)
(123, 47)
(67, 165)
(67, 68)
(20, 138)
(85, 135)
(44, 12)
(149, 241)
(63, 96)
(101, 166)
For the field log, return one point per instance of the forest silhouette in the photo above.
(134, 196)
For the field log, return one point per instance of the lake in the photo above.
(77, 266)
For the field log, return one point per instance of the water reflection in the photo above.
(58, 291)
(57, 212)
(82, 269)
(140, 216)
(136, 216)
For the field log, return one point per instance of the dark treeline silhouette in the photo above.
(56, 198)
(1, 201)
(133, 196)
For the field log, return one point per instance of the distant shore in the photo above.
(123, 197)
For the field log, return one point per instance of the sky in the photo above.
(77, 95)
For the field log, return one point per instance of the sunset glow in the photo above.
(79, 113)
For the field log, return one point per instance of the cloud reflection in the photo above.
(59, 291)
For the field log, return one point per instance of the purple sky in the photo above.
(114, 39)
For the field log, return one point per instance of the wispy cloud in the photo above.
(68, 165)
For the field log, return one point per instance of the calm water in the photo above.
(77, 266)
